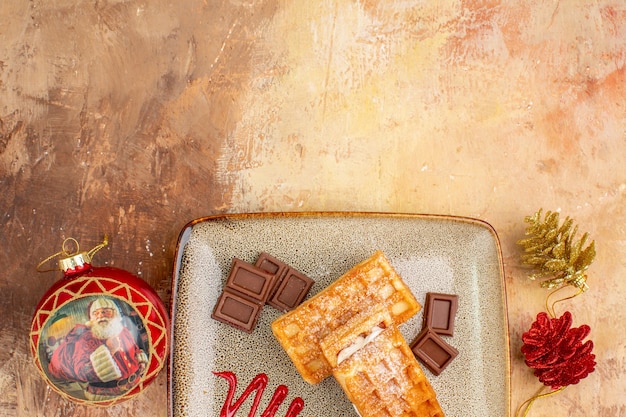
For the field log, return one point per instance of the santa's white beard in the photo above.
(106, 329)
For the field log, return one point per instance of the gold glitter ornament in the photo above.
(553, 251)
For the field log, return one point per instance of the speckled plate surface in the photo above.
(432, 253)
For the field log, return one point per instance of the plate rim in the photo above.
(184, 235)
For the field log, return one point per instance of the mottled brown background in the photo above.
(134, 117)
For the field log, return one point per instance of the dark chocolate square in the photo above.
(270, 264)
(433, 351)
(236, 310)
(250, 280)
(440, 311)
(274, 266)
(291, 291)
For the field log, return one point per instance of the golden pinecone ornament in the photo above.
(553, 251)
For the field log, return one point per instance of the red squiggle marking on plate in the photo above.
(258, 384)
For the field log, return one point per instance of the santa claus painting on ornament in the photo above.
(95, 348)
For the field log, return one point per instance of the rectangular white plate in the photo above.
(432, 254)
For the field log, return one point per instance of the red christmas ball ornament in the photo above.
(100, 335)
(556, 351)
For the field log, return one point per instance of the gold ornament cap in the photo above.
(77, 261)
(72, 260)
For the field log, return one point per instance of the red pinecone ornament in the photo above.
(556, 352)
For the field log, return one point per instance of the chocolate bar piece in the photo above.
(270, 264)
(237, 310)
(246, 291)
(249, 287)
(250, 280)
(291, 285)
(433, 351)
(291, 290)
(439, 312)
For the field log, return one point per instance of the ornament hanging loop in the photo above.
(539, 394)
(65, 251)
(48, 259)
(69, 249)
(105, 242)
(580, 283)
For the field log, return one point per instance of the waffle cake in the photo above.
(372, 288)
(383, 379)
(352, 335)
